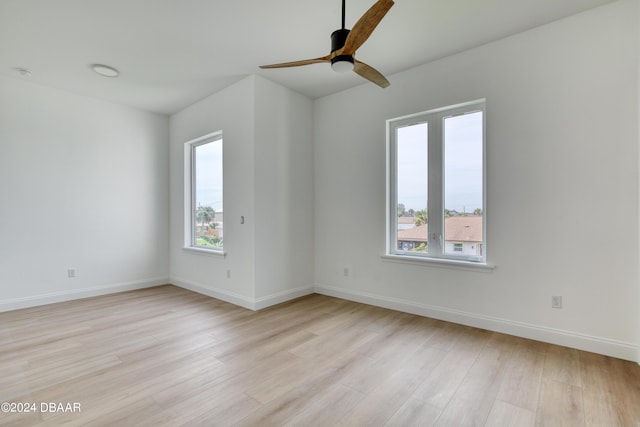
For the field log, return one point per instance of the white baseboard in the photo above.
(241, 300)
(281, 297)
(216, 293)
(613, 348)
(54, 297)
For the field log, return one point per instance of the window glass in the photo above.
(207, 194)
(463, 182)
(412, 185)
(436, 183)
(203, 198)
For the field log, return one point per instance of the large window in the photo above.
(204, 228)
(436, 187)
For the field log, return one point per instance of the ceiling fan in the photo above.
(344, 44)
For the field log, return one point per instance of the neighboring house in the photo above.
(405, 222)
(218, 219)
(411, 238)
(214, 228)
(462, 234)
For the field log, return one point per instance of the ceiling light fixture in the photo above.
(105, 70)
(24, 72)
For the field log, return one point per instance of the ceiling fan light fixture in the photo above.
(342, 63)
(24, 72)
(105, 70)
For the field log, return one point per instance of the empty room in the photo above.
(330, 213)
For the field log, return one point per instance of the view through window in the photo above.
(206, 207)
(436, 188)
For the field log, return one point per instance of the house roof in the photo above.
(406, 219)
(414, 234)
(463, 228)
(456, 228)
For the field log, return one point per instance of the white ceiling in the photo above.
(172, 53)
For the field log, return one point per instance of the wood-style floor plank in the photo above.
(523, 378)
(560, 404)
(504, 414)
(474, 398)
(169, 357)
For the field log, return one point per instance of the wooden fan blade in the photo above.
(365, 26)
(299, 63)
(370, 73)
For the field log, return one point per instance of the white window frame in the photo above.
(435, 210)
(190, 194)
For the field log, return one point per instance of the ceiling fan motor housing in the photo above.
(338, 39)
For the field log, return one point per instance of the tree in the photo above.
(401, 209)
(477, 212)
(205, 215)
(422, 247)
(420, 218)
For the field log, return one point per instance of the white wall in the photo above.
(284, 191)
(231, 111)
(562, 127)
(83, 185)
(268, 175)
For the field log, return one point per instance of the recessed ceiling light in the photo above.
(24, 72)
(105, 70)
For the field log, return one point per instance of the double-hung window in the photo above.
(436, 184)
(204, 225)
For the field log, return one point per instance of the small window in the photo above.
(204, 228)
(436, 184)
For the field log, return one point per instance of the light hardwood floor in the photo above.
(167, 356)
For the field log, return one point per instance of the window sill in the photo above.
(441, 263)
(202, 251)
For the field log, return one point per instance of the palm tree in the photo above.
(205, 215)
(420, 217)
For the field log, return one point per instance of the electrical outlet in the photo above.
(71, 273)
(345, 271)
(228, 274)
(556, 301)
